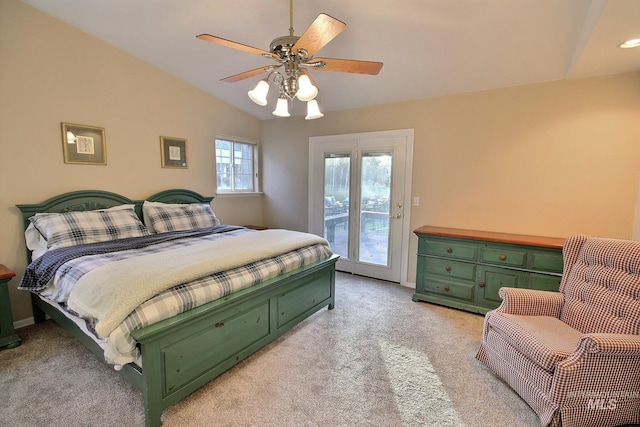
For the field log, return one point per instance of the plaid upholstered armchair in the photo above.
(574, 355)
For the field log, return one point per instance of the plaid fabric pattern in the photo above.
(597, 382)
(602, 289)
(530, 336)
(68, 265)
(39, 273)
(121, 347)
(183, 217)
(77, 228)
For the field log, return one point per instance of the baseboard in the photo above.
(22, 323)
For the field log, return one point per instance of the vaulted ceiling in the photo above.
(429, 47)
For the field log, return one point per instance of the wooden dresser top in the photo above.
(491, 236)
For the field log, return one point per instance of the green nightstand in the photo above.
(8, 338)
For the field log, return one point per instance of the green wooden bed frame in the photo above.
(183, 353)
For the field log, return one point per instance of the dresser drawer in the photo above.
(500, 256)
(545, 261)
(544, 282)
(449, 249)
(459, 291)
(450, 268)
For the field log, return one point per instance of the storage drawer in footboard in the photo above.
(229, 338)
(313, 294)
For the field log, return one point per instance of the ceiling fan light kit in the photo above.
(313, 111)
(259, 93)
(296, 57)
(282, 107)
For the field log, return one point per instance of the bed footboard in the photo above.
(181, 354)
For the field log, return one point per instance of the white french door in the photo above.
(359, 190)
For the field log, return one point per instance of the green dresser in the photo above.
(8, 338)
(465, 269)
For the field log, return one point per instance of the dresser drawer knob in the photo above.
(503, 257)
(448, 268)
(446, 288)
(449, 250)
(481, 284)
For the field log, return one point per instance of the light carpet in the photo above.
(377, 359)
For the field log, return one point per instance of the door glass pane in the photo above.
(336, 202)
(374, 208)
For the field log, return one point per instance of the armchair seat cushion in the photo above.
(544, 340)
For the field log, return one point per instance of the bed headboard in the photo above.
(86, 200)
(179, 196)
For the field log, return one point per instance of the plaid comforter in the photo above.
(120, 348)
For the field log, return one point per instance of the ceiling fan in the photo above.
(294, 56)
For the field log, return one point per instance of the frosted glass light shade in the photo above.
(313, 111)
(306, 90)
(259, 93)
(282, 108)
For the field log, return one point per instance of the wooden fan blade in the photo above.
(349, 66)
(321, 32)
(234, 45)
(246, 74)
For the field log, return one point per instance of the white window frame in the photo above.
(255, 164)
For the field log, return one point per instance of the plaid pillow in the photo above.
(161, 217)
(76, 228)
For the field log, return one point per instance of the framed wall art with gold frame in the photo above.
(173, 152)
(84, 144)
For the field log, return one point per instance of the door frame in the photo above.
(316, 184)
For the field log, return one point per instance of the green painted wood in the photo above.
(449, 248)
(546, 261)
(8, 337)
(503, 256)
(491, 279)
(168, 345)
(544, 282)
(449, 268)
(467, 273)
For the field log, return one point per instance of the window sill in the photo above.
(247, 194)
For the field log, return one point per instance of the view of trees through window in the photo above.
(375, 183)
(234, 166)
(375, 190)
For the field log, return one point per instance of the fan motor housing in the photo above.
(284, 43)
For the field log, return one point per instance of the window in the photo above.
(236, 165)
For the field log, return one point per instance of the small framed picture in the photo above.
(173, 152)
(83, 144)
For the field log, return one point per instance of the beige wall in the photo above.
(549, 159)
(52, 73)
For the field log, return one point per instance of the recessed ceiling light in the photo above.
(630, 44)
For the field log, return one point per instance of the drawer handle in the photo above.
(449, 250)
(503, 257)
(219, 325)
(446, 288)
(448, 269)
(481, 284)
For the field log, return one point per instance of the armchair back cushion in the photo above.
(602, 287)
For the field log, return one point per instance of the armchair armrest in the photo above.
(530, 302)
(610, 344)
(603, 366)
